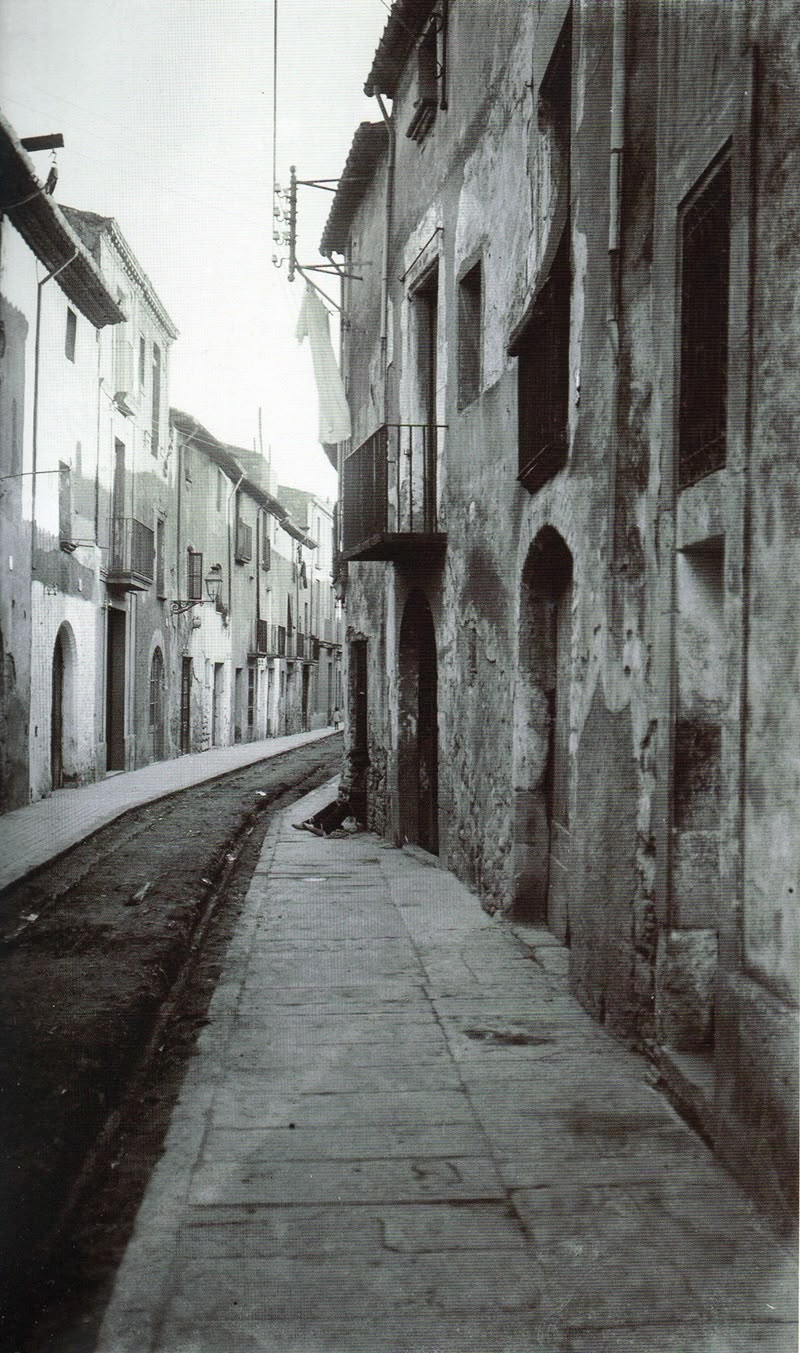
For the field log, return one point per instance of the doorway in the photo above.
(306, 683)
(216, 710)
(57, 717)
(418, 742)
(186, 704)
(157, 705)
(115, 690)
(238, 703)
(542, 837)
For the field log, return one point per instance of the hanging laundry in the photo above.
(334, 413)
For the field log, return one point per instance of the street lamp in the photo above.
(213, 584)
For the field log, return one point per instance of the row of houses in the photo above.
(569, 512)
(161, 594)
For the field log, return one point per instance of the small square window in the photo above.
(71, 334)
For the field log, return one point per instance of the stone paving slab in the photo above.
(387, 1180)
(313, 1232)
(400, 1134)
(353, 1142)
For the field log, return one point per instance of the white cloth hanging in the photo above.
(334, 412)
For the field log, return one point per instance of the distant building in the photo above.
(156, 597)
(569, 534)
(248, 664)
(132, 482)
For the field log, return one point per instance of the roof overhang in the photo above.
(366, 152)
(407, 18)
(49, 235)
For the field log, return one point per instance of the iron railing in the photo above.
(132, 554)
(389, 484)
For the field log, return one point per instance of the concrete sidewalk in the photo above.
(400, 1134)
(31, 836)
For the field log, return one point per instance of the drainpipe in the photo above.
(231, 496)
(35, 422)
(615, 176)
(387, 237)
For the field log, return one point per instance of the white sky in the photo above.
(166, 111)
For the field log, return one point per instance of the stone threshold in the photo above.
(687, 1078)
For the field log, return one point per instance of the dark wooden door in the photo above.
(558, 875)
(57, 718)
(186, 704)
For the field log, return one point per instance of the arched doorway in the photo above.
(57, 704)
(418, 742)
(541, 779)
(156, 721)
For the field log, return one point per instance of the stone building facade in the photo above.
(569, 514)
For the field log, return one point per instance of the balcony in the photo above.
(389, 496)
(132, 555)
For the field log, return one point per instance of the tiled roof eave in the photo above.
(406, 20)
(366, 152)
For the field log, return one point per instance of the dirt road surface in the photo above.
(108, 960)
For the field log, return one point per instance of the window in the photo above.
(220, 490)
(160, 529)
(155, 430)
(543, 378)
(65, 505)
(142, 362)
(705, 267)
(123, 352)
(470, 319)
(542, 344)
(71, 334)
(194, 575)
(266, 548)
(425, 93)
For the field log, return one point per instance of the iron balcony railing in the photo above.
(132, 555)
(389, 487)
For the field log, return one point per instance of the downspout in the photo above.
(231, 495)
(35, 421)
(387, 238)
(616, 159)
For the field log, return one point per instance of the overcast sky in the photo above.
(166, 111)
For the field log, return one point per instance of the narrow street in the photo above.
(400, 1132)
(108, 959)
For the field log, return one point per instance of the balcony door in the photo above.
(426, 303)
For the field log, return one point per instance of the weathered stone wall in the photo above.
(683, 711)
